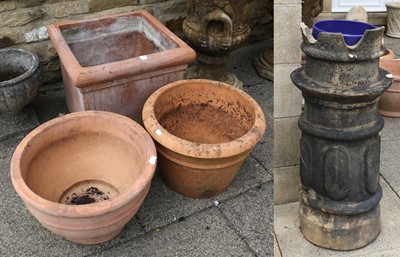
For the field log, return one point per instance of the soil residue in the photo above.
(203, 123)
(91, 195)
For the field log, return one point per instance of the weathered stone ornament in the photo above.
(340, 144)
(20, 78)
(393, 19)
(264, 64)
(215, 28)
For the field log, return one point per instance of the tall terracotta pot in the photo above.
(203, 131)
(389, 102)
(84, 175)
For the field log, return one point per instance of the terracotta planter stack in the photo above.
(84, 175)
(203, 131)
(388, 55)
(389, 102)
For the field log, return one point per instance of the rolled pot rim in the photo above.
(201, 150)
(383, 65)
(393, 4)
(26, 74)
(33, 200)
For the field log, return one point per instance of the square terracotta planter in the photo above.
(114, 63)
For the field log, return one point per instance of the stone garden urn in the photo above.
(215, 28)
(20, 78)
(340, 145)
(264, 62)
(203, 130)
(84, 175)
(393, 19)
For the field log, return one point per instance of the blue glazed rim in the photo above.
(352, 31)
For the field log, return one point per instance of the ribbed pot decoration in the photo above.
(340, 144)
(393, 19)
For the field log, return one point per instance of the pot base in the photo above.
(389, 114)
(339, 232)
(389, 102)
(87, 192)
(264, 64)
(393, 34)
(190, 179)
(96, 240)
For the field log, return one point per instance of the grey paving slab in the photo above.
(241, 63)
(205, 234)
(390, 163)
(251, 214)
(263, 151)
(391, 130)
(277, 251)
(292, 242)
(50, 104)
(163, 206)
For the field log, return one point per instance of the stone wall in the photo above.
(23, 22)
(287, 101)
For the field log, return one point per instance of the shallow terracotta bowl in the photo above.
(84, 175)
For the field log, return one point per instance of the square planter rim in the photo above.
(86, 76)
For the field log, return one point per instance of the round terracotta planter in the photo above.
(84, 175)
(389, 102)
(388, 55)
(203, 131)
